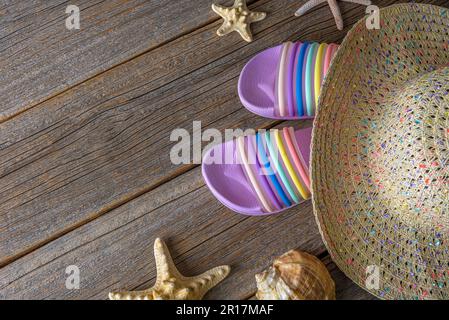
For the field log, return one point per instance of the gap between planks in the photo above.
(102, 210)
(149, 189)
(105, 209)
(205, 20)
(199, 230)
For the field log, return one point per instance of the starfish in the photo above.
(334, 8)
(170, 284)
(237, 18)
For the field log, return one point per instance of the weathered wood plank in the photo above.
(115, 250)
(226, 236)
(113, 131)
(107, 132)
(39, 53)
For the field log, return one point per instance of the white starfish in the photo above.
(334, 8)
(237, 18)
(172, 285)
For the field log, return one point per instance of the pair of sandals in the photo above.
(268, 172)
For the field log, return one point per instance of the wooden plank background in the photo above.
(85, 120)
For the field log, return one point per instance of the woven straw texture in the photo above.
(380, 154)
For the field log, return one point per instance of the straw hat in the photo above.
(380, 174)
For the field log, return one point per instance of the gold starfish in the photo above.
(334, 8)
(237, 18)
(170, 284)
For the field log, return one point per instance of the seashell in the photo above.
(295, 276)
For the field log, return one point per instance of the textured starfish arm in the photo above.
(362, 2)
(209, 279)
(257, 16)
(132, 295)
(184, 294)
(307, 6)
(337, 14)
(165, 266)
(224, 29)
(220, 10)
(240, 3)
(245, 32)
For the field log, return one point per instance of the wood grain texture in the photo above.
(39, 53)
(113, 131)
(115, 251)
(84, 172)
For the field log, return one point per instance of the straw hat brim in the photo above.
(358, 226)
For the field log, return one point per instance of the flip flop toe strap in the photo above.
(275, 169)
(301, 71)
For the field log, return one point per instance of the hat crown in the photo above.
(380, 154)
(414, 157)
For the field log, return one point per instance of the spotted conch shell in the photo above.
(295, 276)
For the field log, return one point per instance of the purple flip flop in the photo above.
(261, 174)
(284, 82)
